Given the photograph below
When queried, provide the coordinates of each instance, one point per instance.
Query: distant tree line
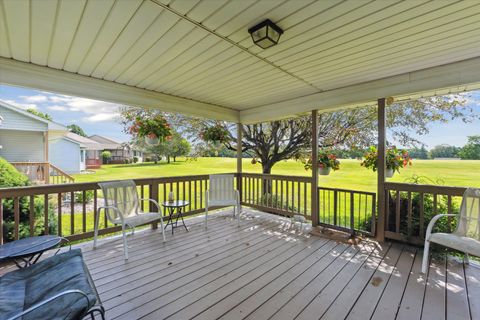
(470, 151)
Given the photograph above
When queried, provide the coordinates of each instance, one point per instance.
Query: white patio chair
(122, 207)
(222, 192)
(466, 237)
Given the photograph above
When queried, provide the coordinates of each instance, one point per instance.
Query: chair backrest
(222, 187)
(121, 194)
(469, 221)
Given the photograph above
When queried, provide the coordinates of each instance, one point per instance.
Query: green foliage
(215, 134)
(325, 160)
(10, 177)
(88, 196)
(135, 159)
(155, 126)
(394, 159)
(106, 155)
(76, 129)
(40, 114)
(471, 150)
(444, 151)
(418, 153)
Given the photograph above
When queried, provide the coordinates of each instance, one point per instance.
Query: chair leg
(206, 216)
(425, 257)
(466, 259)
(237, 209)
(95, 232)
(163, 231)
(125, 247)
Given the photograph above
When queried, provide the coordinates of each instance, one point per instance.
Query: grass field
(350, 176)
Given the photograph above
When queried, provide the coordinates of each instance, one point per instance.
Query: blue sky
(98, 117)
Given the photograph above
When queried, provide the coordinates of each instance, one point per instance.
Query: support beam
(382, 142)
(456, 75)
(314, 192)
(33, 76)
(239, 159)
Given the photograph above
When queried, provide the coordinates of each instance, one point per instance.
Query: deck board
(266, 270)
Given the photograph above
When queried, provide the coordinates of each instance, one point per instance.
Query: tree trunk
(168, 159)
(174, 158)
(266, 184)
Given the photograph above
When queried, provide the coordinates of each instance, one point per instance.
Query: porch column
(314, 191)
(382, 206)
(239, 159)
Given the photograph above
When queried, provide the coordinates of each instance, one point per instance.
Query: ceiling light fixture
(265, 34)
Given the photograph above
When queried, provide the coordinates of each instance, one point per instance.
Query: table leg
(180, 213)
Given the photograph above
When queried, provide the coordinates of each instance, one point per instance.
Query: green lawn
(350, 176)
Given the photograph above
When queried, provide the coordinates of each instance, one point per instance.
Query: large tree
(76, 129)
(274, 141)
(471, 150)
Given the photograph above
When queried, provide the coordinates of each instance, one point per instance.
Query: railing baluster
(1, 221)
(59, 217)
(352, 213)
(305, 199)
(72, 211)
(421, 212)
(335, 207)
(409, 214)
(142, 195)
(16, 217)
(31, 217)
(84, 211)
(397, 212)
(449, 211)
(95, 204)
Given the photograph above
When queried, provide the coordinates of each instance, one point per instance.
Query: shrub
(88, 196)
(10, 177)
(135, 159)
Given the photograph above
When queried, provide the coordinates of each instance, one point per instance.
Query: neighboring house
(91, 150)
(26, 138)
(121, 152)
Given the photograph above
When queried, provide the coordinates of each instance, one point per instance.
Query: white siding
(64, 154)
(21, 146)
(17, 121)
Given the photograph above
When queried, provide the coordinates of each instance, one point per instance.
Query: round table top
(28, 246)
(175, 203)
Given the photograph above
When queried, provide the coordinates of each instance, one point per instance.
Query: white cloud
(57, 108)
(24, 106)
(100, 117)
(35, 98)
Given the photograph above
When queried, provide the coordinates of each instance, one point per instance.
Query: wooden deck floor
(264, 270)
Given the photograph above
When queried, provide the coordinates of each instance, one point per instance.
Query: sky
(98, 117)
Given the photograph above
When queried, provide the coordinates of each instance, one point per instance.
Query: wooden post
(239, 159)
(314, 195)
(153, 194)
(382, 205)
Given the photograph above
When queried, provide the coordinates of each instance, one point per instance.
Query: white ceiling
(201, 50)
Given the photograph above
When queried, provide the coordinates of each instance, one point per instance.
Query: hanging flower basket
(389, 172)
(394, 160)
(154, 130)
(326, 162)
(215, 135)
(324, 171)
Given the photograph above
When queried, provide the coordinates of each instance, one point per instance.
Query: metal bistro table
(173, 206)
(27, 251)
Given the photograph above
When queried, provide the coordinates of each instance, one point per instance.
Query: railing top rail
(425, 188)
(277, 176)
(347, 190)
(70, 187)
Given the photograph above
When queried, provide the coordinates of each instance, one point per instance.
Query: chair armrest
(434, 220)
(152, 201)
(108, 215)
(44, 302)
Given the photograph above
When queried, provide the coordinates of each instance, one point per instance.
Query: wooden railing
(347, 210)
(43, 173)
(93, 163)
(285, 195)
(68, 209)
(411, 206)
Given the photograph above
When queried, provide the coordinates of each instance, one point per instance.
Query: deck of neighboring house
(267, 270)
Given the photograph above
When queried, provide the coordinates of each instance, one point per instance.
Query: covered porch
(197, 58)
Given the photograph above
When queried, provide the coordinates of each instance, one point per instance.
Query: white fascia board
(29, 75)
(457, 74)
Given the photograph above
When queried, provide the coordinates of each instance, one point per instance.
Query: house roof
(85, 142)
(197, 57)
(107, 143)
(53, 126)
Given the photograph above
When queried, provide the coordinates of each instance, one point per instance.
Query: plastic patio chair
(122, 207)
(222, 192)
(466, 237)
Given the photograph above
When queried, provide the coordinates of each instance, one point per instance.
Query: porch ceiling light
(265, 34)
